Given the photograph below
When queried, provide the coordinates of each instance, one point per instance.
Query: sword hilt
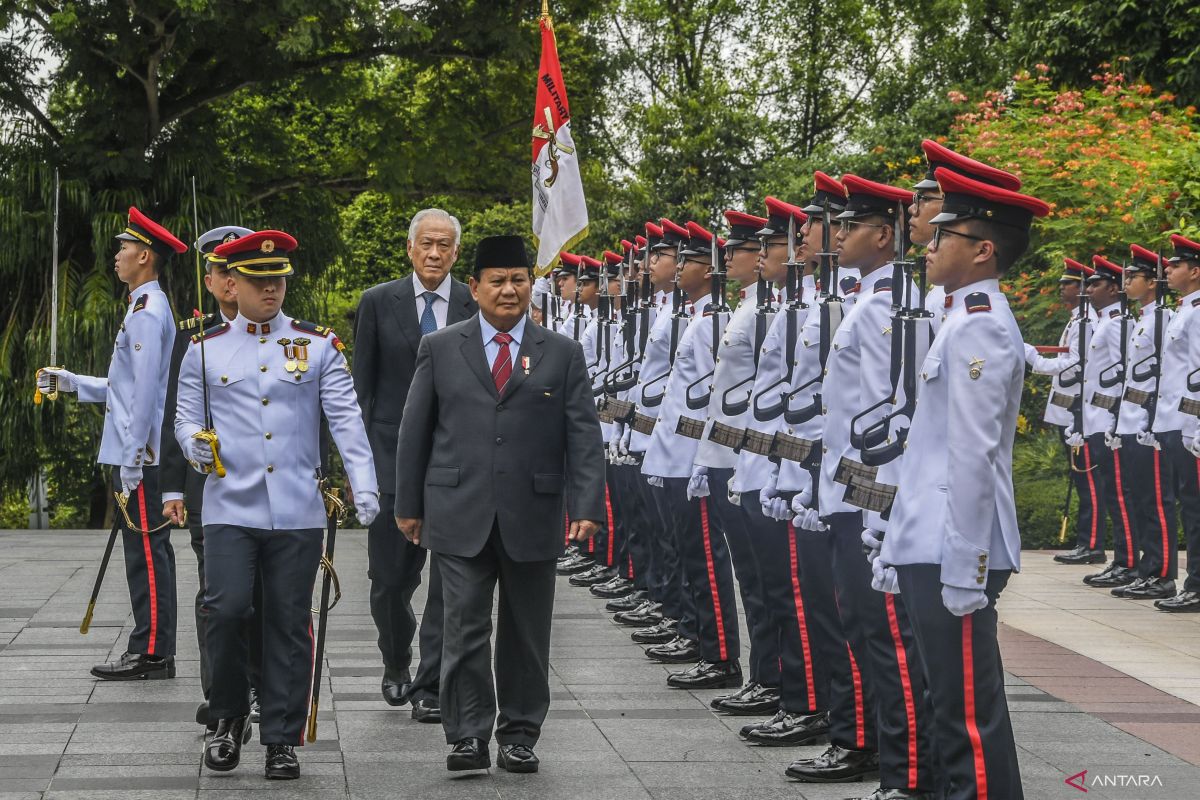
(210, 436)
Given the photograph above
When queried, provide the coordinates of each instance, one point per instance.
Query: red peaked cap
(1075, 271)
(641, 241)
(868, 198)
(589, 268)
(964, 198)
(654, 234)
(700, 240)
(778, 214)
(826, 190)
(262, 254)
(141, 228)
(627, 245)
(570, 263)
(1185, 249)
(612, 258)
(672, 235)
(1105, 270)
(939, 156)
(742, 227)
(1143, 260)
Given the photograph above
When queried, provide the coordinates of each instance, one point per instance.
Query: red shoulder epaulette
(978, 301)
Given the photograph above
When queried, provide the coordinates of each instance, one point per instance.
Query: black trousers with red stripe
(803, 671)
(288, 561)
(1088, 524)
(704, 555)
(637, 529)
(680, 602)
(1149, 484)
(764, 644)
(1110, 481)
(881, 641)
(1187, 489)
(976, 752)
(149, 569)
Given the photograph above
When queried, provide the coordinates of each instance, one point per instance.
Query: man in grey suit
(391, 320)
(499, 425)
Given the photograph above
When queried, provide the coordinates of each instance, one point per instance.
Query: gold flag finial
(545, 9)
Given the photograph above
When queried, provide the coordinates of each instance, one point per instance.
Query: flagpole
(545, 9)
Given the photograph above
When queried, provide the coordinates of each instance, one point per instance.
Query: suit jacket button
(262, 367)
(265, 401)
(267, 434)
(499, 440)
(500, 406)
(270, 467)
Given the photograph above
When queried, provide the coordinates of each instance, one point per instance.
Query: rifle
(832, 310)
(1153, 361)
(1114, 374)
(1080, 366)
(717, 275)
(635, 309)
(763, 312)
(576, 310)
(795, 302)
(53, 393)
(677, 313)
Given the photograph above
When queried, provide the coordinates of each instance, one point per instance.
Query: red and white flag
(560, 217)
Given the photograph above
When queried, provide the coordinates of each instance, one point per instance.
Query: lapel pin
(525, 364)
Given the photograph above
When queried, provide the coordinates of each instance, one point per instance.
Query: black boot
(648, 613)
(754, 700)
(661, 633)
(1081, 555)
(224, 750)
(136, 666)
(1149, 589)
(677, 651)
(1183, 603)
(836, 765)
(790, 730)
(282, 764)
(1114, 575)
(629, 602)
(706, 675)
(617, 587)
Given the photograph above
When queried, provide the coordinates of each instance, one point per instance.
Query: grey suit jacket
(387, 332)
(468, 455)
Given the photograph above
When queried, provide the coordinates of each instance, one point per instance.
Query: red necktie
(502, 366)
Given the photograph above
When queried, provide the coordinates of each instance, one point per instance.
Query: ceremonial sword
(209, 432)
(53, 393)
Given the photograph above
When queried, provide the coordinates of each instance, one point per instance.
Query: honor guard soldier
(1099, 402)
(182, 487)
(1065, 391)
(927, 204)
(1149, 481)
(876, 626)
(134, 394)
(952, 541)
(266, 379)
(1176, 424)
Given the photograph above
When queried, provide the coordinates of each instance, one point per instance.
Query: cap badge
(268, 246)
(229, 237)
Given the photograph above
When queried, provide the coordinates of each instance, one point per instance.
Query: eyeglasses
(919, 198)
(939, 231)
(848, 225)
(767, 244)
(730, 249)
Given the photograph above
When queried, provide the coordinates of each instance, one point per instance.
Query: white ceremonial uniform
(1104, 350)
(135, 390)
(955, 505)
(268, 420)
(1180, 357)
(598, 363)
(656, 363)
(1058, 404)
(735, 365)
(935, 304)
(792, 476)
(1135, 417)
(670, 454)
(864, 337)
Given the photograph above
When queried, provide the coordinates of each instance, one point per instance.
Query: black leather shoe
(394, 692)
(752, 701)
(426, 710)
(661, 633)
(835, 765)
(744, 733)
(1081, 555)
(516, 758)
(1148, 589)
(281, 763)
(617, 587)
(202, 717)
(469, 753)
(790, 730)
(574, 565)
(1115, 575)
(1122, 591)
(224, 749)
(897, 794)
(627, 603)
(136, 666)
(648, 613)
(1182, 603)
(676, 651)
(591, 577)
(706, 675)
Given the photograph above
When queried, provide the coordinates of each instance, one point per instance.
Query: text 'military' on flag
(560, 217)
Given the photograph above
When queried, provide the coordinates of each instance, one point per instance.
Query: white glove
(1148, 439)
(961, 602)
(1074, 439)
(698, 484)
(614, 450)
(1112, 441)
(199, 452)
(131, 478)
(806, 518)
(773, 506)
(654, 480)
(1031, 354)
(1193, 445)
(366, 506)
(872, 540)
(735, 498)
(67, 382)
(623, 444)
(883, 577)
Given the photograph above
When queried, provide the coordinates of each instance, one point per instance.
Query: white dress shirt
(440, 306)
(491, 348)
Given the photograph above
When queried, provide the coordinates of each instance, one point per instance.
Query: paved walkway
(1096, 683)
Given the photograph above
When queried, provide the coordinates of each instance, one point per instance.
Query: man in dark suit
(499, 425)
(391, 320)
